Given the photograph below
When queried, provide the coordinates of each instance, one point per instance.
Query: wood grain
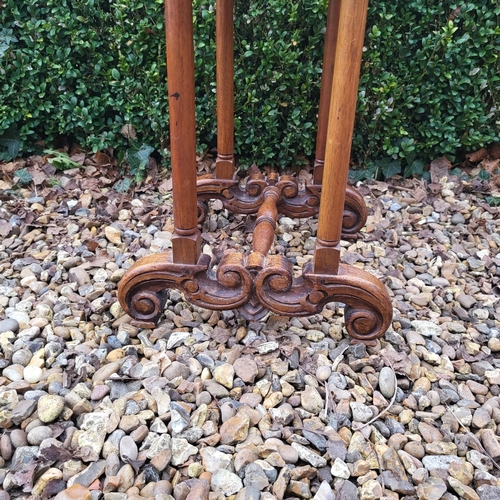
(225, 89)
(332, 28)
(180, 74)
(349, 48)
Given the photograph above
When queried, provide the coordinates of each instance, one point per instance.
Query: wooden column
(351, 33)
(332, 29)
(180, 75)
(225, 90)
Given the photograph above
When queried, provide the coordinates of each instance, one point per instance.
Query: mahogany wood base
(255, 284)
(294, 202)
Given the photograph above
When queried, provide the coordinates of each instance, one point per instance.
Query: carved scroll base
(255, 285)
(295, 202)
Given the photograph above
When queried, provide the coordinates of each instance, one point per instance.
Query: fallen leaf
(101, 159)
(440, 168)
(12, 166)
(78, 158)
(128, 131)
(4, 185)
(39, 177)
(166, 186)
(477, 156)
(419, 194)
(495, 151)
(490, 165)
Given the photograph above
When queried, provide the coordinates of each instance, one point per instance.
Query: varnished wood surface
(261, 283)
(265, 225)
(257, 283)
(225, 89)
(332, 28)
(349, 48)
(180, 71)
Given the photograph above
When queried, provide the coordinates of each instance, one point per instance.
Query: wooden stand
(258, 282)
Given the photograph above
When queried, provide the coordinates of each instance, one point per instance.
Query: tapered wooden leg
(349, 49)
(180, 74)
(225, 90)
(332, 29)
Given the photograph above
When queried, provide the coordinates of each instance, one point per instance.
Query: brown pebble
(18, 438)
(6, 447)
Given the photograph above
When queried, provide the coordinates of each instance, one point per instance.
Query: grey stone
(255, 477)
(396, 483)
(346, 491)
(443, 462)
(214, 459)
(324, 492)
(309, 456)
(181, 451)
(128, 449)
(38, 434)
(23, 455)
(88, 475)
(386, 382)
(426, 328)
(488, 492)
(226, 482)
(9, 325)
(22, 410)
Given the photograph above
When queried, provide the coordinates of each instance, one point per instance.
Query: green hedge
(84, 68)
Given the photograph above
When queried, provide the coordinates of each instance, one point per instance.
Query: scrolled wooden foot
(142, 289)
(368, 313)
(355, 213)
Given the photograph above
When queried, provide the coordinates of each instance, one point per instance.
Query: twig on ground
(339, 357)
(335, 364)
(321, 433)
(474, 438)
(393, 399)
(382, 482)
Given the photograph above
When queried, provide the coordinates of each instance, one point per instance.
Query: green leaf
(12, 143)
(416, 168)
(138, 160)
(23, 176)
(123, 185)
(61, 160)
(391, 169)
(484, 175)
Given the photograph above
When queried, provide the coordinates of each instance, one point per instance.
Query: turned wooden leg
(332, 29)
(349, 49)
(224, 168)
(180, 73)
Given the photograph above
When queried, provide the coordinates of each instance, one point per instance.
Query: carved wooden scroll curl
(294, 202)
(241, 282)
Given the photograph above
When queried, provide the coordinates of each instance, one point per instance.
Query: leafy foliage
(23, 176)
(138, 160)
(85, 68)
(60, 160)
(10, 144)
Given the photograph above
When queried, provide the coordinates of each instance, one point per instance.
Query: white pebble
(32, 374)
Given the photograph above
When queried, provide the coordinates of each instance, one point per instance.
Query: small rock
(311, 400)
(225, 482)
(386, 382)
(50, 407)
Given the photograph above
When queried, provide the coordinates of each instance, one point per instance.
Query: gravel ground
(209, 406)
